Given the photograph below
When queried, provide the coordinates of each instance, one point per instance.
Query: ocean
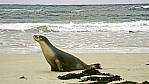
(109, 28)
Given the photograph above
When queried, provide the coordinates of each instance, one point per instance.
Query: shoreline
(131, 67)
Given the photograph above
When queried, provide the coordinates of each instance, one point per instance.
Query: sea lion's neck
(47, 49)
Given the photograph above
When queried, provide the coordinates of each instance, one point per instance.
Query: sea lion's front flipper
(58, 63)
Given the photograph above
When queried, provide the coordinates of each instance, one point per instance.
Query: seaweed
(90, 72)
(97, 77)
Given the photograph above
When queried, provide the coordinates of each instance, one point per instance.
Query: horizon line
(73, 4)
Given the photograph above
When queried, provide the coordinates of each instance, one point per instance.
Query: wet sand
(34, 67)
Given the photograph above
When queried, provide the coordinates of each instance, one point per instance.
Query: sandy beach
(36, 70)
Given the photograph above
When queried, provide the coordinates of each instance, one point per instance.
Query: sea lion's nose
(36, 36)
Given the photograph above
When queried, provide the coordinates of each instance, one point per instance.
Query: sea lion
(60, 60)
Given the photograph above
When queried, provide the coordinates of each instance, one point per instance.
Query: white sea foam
(140, 7)
(20, 26)
(146, 7)
(91, 27)
(76, 11)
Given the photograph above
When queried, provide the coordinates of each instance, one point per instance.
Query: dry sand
(37, 71)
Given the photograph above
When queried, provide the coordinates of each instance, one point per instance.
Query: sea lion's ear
(40, 38)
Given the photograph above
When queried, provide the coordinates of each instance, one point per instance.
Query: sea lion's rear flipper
(94, 66)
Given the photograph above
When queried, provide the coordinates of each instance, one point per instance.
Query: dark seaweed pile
(89, 72)
(101, 78)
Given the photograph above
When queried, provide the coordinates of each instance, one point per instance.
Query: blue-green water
(122, 28)
(78, 13)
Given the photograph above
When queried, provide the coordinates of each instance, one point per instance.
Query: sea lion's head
(40, 38)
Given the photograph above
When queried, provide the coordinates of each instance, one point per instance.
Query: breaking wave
(77, 27)
(140, 7)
